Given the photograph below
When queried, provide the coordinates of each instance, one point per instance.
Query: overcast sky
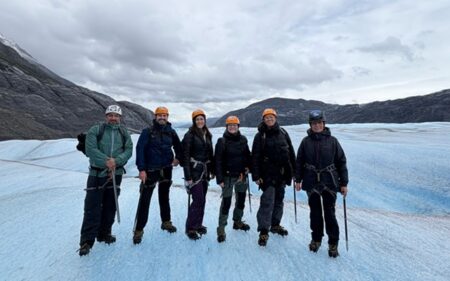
(224, 55)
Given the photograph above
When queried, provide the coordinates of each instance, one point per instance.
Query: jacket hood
(230, 136)
(157, 126)
(326, 132)
(262, 128)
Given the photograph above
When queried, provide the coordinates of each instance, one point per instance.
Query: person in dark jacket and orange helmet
(273, 166)
(322, 172)
(232, 157)
(154, 160)
(198, 166)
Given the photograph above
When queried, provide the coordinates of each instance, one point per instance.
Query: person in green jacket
(108, 147)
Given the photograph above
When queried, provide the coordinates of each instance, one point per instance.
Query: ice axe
(345, 222)
(249, 193)
(113, 172)
(295, 204)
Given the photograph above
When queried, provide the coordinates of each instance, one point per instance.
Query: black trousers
(329, 212)
(163, 178)
(99, 208)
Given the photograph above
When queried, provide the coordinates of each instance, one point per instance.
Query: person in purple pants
(197, 160)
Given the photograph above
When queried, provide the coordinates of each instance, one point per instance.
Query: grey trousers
(240, 189)
(271, 207)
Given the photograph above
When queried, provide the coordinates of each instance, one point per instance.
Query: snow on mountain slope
(41, 208)
(20, 51)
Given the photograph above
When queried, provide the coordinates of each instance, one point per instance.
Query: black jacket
(232, 156)
(200, 149)
(316, 152)
(273, 157)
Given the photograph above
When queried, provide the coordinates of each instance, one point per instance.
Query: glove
(187, 186)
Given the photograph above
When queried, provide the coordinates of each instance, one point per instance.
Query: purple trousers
(197, 207)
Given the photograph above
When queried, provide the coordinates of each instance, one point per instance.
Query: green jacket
(109, 146)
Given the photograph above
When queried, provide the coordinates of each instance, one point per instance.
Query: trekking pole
(188, 190)
(189, 202)
(113, 171)
(249, 194)
(141, 188)
(345, 222)
(295, 203)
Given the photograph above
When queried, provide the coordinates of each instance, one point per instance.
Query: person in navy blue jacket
(154, 160)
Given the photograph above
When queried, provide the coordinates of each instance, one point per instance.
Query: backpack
(81, 146)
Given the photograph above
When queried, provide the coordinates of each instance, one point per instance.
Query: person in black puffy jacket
(232, 157)
(198, 166)
(321, 170)
(273, 164)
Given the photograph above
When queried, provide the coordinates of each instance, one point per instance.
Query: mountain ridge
(39, 104)
(427, 108)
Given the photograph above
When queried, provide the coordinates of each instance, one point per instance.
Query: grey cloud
(390, 46)
(180, 52)
(360, 71)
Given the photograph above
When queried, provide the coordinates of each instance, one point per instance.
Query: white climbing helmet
(113, 109)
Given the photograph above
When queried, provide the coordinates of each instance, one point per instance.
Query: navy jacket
(154, 150)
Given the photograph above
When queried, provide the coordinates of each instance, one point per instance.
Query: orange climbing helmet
(198, 112)
(268, 111)
(232, 120)
(161, 110)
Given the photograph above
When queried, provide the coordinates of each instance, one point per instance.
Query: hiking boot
(221, 236)
(240, 225)
(84, 249)
(202, 230)
(278, 229)
(192, 234)
(137, 237)
(314, 246)
(168, 226)
(333, 250)
(262, 241)
(107, 238)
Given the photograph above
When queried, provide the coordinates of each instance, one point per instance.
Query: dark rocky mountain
(429, 108)
(38, 104)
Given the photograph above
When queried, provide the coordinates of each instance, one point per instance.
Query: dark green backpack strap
(101, 131)
(123, 133)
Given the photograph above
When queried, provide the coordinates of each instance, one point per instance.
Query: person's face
(317, 126)
(232, 128)
(162, 119)
(112, 118)
(200, 122)
(270, 120)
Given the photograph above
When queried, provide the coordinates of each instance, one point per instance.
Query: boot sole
(333, 255)
(170, 231)
(247, 228)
